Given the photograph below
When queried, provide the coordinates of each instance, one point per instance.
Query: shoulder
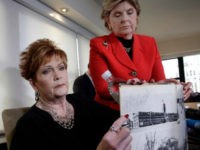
(82, 79)
(102, 43)
(82, 107)
(77, 100)
(81, 101)
(32, 118)
(79, 78)
(28, 123)
(100, 40)
(28, 115)
(144, 40)
(92, 106)
(93, 110)
(83, 76)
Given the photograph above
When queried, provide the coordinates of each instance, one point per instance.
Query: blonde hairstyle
(108, 6)
(36, 54)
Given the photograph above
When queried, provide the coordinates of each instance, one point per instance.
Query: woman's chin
(126, 34)
(61, 92)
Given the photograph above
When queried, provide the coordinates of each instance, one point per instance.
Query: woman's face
(51, 79)
(123, 20)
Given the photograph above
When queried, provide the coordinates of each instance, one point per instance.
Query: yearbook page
(157, 116)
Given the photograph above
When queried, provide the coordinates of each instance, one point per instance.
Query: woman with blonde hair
(131, 57)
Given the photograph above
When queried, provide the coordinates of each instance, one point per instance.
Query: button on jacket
(108, 53)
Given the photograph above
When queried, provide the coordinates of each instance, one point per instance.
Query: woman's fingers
(117, 137)
(134, 81)
(125, 139)
(187, 89)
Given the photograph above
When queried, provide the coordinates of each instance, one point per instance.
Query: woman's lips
(60, 85)
(124, 27)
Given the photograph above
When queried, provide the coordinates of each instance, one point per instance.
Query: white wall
(19, 27)
(83, 53)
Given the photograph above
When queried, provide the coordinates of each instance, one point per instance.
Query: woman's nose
(124, 17)
(57, 78)
(57, 75)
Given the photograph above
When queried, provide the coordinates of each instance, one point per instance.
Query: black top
(127, 45)
(84, 86)
(36, 130)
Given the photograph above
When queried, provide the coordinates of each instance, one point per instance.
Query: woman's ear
(33, 84)
(137, 22)
(108, 23)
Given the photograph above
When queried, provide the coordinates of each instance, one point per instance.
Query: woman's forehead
(121, 5)
(52, 58)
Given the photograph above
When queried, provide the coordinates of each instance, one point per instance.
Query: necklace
(128, 49)
(66, 120)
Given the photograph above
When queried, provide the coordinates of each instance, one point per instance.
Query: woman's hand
(135, 81)
(117, 138)
(187, 90)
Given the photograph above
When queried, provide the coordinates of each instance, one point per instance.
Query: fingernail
(126, 116)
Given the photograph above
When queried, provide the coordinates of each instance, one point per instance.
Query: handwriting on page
(156, 114)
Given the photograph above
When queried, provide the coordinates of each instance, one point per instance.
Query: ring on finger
(112, 129)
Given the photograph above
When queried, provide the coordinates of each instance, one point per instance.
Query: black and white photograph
(156, 114)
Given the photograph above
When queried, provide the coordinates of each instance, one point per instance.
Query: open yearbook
(157, 116)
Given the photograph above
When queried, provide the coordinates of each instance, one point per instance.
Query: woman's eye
(130, 12)
(117, 14)
(61, 68)
(46, 71)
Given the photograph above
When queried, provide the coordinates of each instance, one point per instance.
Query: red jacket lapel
(120, 53)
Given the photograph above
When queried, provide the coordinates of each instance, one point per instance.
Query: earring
(110, 28)
(37, 96)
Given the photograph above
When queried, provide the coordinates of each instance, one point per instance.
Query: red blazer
(107, 53)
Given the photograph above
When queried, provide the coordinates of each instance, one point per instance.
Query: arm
(28, 136)
(76, 85)
(158, 70)
(32, 132)
(158, 75)
(98, 66)
(117, 137)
